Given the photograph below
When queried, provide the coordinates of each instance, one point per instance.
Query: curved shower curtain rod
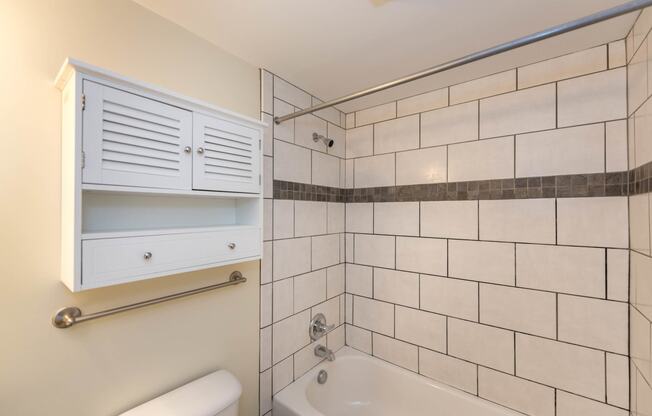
(598, 17)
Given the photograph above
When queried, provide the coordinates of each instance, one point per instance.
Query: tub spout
(322, 351)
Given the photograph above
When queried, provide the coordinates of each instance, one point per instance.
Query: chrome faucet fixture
(322, 351)
(322, 377)
(317, 137)
(318, 327)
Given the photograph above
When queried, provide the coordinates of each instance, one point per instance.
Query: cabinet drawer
(115, 260)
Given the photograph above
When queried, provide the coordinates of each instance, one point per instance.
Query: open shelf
(90, 187)
(163, 231)
(108, 212)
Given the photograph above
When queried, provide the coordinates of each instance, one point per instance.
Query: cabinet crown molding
(72, 65)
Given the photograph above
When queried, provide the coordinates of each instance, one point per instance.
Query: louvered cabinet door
(135, 141)
(226, 156)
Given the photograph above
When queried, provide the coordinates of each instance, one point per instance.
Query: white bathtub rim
(294, 398)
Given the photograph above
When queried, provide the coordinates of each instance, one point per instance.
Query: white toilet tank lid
(206, 396)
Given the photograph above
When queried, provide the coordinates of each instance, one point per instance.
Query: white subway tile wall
(522, 302)
(504, 299)
(303, 270)
(482, 344)
(561, 269)
(516, 393)
(617, 369)
(397, 352)
(421, 166)
(360, 141)
(450, 219)
(304, 127)
(616, 146)
(562, 365)
(375, 114)
(450, 370)
(639, 78)
(528, 311)
(562, 151)
(608, 92)
(374, 171)
(399, 218)
(572, 405)
(617, 54)
(563, 67)
(450, 297)
(484, 159)
(422, 255)
(422, 102)
(521, 111)
(521, 220)
(325, 170)
(396, 135)
(598, 222)
(453, 124)
(484, 87)
(421, 328)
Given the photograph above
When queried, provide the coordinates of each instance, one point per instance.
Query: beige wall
(106, 366)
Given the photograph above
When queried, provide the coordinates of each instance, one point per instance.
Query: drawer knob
(147, 255)
(187, 149)
(231, 246)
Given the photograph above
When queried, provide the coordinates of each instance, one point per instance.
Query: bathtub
(360, 385)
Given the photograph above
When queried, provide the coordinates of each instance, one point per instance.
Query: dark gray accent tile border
(640, 179)
(560, 186)
(306, 192)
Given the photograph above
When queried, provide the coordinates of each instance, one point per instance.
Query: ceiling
(334, 47)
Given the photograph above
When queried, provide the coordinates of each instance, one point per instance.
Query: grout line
(479, 115)
(500, 72)
(478, 303)
(448, 244)
(592, 72)
(606, 274)
(516, 71)
(592, 123)
(486, 283)
(319, 193)
(605, 148)
(514, 353)
(557, 316)
(556, 105)
(503, 242)
(556, 225)
(478, 365)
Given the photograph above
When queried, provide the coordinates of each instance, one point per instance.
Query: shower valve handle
(318, 327)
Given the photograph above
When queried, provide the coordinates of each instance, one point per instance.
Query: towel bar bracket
(71, 315)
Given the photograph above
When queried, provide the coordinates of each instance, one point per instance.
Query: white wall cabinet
(134, 141)
(153, 183)
(226, 155)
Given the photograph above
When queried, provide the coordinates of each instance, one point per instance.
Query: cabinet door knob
(147, 255)
(200, 150)
(187, 149)
(231, 246)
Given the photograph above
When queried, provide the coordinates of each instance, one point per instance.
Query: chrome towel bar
(71, 315)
